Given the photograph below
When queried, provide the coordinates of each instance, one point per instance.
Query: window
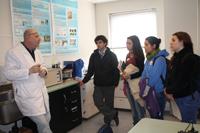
(123, 25)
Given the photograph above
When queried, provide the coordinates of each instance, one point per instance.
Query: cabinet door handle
(74, 101)
(65, 98)
(74, 109)
(74, 91)
(65, 103)
(74, 120)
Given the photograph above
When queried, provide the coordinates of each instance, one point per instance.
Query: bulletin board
(55, 20)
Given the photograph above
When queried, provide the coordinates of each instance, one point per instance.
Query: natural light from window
(123, 25)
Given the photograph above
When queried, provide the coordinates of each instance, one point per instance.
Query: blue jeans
(42, 122)
(138, 111)
(161, 101)
(189, 106)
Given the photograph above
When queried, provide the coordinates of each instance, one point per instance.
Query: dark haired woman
(154, 69)
(135, 64)
(183, 79)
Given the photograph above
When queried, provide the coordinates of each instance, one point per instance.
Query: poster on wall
(55, 21)
(41, 22)
(21, 18)
(32, 14)
(65, 26)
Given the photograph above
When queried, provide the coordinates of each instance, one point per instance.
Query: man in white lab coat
(25, 68)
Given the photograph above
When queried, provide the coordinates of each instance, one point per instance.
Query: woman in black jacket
(182, 81)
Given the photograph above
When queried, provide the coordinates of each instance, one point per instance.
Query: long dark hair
(137, 48)
(185, 37)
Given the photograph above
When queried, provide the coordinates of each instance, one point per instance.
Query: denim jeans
(42, 122)
(188, 107)
(161, 101)
(138, 111)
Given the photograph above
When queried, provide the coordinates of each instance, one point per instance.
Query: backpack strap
(154, 60)
(161, 76)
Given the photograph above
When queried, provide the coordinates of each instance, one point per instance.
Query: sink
(9, 111)
(6, 93)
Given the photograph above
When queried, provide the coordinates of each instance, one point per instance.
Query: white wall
(6, 28)
(86, 24)
(104, 9)
(181, 15)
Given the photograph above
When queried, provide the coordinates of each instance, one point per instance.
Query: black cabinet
(65, 108)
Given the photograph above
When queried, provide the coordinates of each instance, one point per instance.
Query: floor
(92, 125)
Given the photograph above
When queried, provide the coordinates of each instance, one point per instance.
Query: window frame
(151, 10)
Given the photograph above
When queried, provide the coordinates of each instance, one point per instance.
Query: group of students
(25, 67)
(175, 79)
(157, 78)
(179, 83)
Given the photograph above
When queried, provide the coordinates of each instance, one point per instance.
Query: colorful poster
(65, 26)
(69, 3)
(32, 14)
(41, 22)
(55, 20)
(22, 18)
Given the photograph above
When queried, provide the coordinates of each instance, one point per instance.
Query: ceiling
(100, 1)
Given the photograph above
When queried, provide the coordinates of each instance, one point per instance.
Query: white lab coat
(30, 91)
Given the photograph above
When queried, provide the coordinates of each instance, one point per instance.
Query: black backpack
(105, 129)
(197, 72)
(163, 79)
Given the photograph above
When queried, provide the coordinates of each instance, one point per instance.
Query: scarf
(152, 54)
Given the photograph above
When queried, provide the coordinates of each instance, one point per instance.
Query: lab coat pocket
(28, 91)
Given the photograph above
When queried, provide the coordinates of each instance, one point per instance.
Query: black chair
(28, 123)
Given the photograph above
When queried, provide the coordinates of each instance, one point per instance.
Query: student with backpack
(151, 83)
(183, 82)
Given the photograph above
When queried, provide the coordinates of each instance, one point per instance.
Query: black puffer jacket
(184, 74)
(104, 69)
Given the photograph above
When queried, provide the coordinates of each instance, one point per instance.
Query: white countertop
(66, 83)
(148, 125)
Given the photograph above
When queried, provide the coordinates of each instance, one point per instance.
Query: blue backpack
(77, 68)
(163, 79)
